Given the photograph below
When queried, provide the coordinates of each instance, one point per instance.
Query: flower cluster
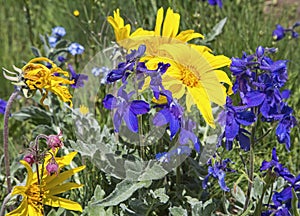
(259, 80)
(216, 2)
(282, 201)
(280, 32)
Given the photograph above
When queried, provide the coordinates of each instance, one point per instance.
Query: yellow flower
(36, 195)
(192, 74)
(83, 110)
(76, 13)
(36, 76)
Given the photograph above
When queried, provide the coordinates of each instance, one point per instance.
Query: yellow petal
(188, 35)
(202, 101)
(64, 187)
(171, 24)
(159, 20)
(29, 172)
(33, 211)
(21, 190)
(63, 203)
(222, 77)
(22, 210)
(53, 180)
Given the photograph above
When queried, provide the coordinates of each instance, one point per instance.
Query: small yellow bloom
(35, 196)
(83, 110)
(76, 13)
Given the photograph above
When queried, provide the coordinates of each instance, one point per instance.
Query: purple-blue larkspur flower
(218, 170)
(167, 157)
(75, 49)
(126, 109)
(78, 78)
(186, 134)
(171, 113)
(216, 2)
(283, 130)
(278, 33)
(232, 117)
(3, 104)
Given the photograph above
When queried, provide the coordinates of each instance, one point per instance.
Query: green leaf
(122, 192)
(160, 193)
(36, 115)
(36, 52)
(295, 203)
(95, 210)
(217, 30)
(239, 195)
(178, 211)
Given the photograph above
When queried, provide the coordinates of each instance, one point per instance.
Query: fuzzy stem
(6, 199)
(5, 139)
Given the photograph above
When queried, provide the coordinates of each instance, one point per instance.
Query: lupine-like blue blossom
(216, 2)
(259, 80)
(282, 199)
(218, 170)
(280, 32)
(186, 134)
(125, 109)
(167, 157)
(3, 104)
(78, 78)
(75, 49)
(171, 113)
(232, 117)
(126, 68)
(154, 75)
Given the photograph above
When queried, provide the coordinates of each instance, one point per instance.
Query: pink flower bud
(54, 141)
(52, 167)
(29, 158)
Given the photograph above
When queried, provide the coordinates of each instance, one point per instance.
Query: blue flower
(186, 134)
(216, 2)
(3, 104)
(278, 33)
(125, 109)
(232, 117)
(283, 130)
(126, 68)
(103, 71)
(78, 78)
(75, 49)
(171, 113)
(217, 170)
(167, 157)
(58, 31)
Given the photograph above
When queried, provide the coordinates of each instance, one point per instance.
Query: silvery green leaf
(217, 30)
(121, 193)
(160, 193)
(178, 211)
(238, 194)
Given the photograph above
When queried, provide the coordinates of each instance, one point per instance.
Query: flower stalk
(5, 139)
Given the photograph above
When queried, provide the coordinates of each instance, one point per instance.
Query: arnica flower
(3, 104)
(192, 74)
(36, 76)
(35, 196)
(75, 49)
(76, 13)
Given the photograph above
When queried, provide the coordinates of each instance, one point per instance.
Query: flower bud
(54, 141)
(52, 167)
(29, 158)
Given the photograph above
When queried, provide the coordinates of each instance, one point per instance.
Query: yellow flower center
(188, 78)
(35, 195)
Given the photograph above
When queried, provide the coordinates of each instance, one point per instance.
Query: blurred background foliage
(249, 24)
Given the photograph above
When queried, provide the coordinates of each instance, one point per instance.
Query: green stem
(251, 167)
(5, 139)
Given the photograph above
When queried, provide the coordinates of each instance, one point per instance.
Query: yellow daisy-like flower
(192, 74)
(76, 13)
(36, 195)
(36, 76)
(83, 110)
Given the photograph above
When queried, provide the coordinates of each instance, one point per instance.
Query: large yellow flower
(36, 76)
(36, 195)
(192, 75)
